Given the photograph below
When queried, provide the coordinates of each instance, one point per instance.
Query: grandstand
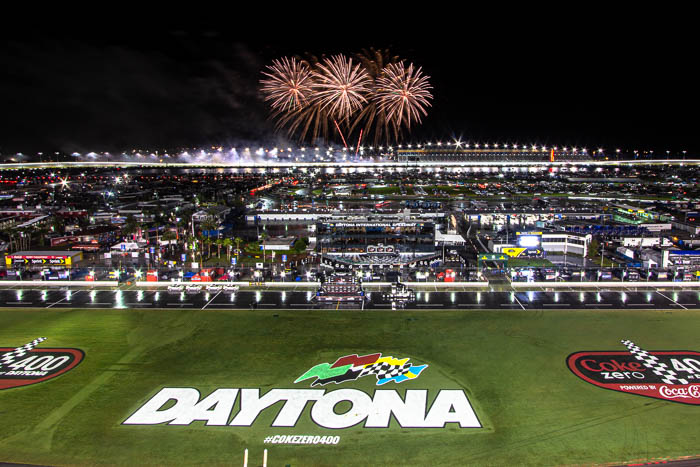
(494, 154)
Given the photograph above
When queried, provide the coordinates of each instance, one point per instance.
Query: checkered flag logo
(385, 370)
(659, 368)
(10, 357)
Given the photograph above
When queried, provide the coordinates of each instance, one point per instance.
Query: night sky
(604, 84)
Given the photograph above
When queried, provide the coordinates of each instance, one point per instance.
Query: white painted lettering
(441, 411)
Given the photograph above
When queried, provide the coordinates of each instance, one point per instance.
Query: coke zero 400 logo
(26, 364)
(666, 375)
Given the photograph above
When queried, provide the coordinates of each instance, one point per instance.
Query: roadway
(646, 299)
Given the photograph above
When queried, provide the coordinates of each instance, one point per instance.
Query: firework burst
(377, 95)
(340, 87)
(403, 93)
(372, 119)
(287, 87)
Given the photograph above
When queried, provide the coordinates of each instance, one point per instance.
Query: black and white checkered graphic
(10, 357)
(385, 370)
(659, 368)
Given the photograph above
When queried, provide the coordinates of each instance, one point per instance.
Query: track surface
(302, 299)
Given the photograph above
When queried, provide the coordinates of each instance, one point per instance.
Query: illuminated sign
(48, 260)
(529, 241)
(375, 224)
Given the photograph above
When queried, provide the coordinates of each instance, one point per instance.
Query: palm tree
(208, 241)
(193, 241)
(228, 243)
(10, 234)
(238, 241)
(131, 225)
(169, 236)
(57, 224)
(208, 225)
(263, 236)
(219, 243)
(157, 224)
(25, 239)
(42, 231)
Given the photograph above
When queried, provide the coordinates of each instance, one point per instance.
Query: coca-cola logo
(691, 392)
(667, 375)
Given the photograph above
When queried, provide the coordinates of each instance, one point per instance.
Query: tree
(58, 225)
(10, 233)
(41, 232)
(594, 250)
(208, 241)
(131, 225)
(207, 226)
(228, 243)
(25, 239)
(157, 224)
(238, 241)
(263, 236)
(192, 242)
(169, 236)
(219, 243)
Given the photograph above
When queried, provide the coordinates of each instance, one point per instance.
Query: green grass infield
(511, 365)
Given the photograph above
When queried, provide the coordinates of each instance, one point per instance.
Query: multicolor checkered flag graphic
(10, 357)
(659, 368)
(385, 370)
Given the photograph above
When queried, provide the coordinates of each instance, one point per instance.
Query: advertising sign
(25, 365)
(241, 407)
(33, 260)
(529, 241)
(667, 375)
(513, 252)
(380, 249)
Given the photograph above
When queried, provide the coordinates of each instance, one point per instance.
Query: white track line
(516, 299)
(207, 304)
(669, 298)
